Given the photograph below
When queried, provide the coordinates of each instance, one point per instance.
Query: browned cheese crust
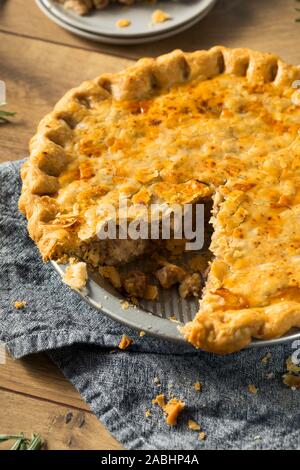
(178, 129)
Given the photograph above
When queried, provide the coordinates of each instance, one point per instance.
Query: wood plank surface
(36, 397)
(267, 25)
(62, 428)
(38, 377)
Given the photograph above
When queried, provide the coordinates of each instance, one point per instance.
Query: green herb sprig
(36, 442)
(23, 443)
(5, 115)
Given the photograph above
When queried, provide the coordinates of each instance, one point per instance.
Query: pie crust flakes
(193, 425)
(198, 386)
(123, 23)
(160, 16)
(125, 342)
(172, 408)
(218, 125)
(292, 376)
(20, 304)
(76, 275)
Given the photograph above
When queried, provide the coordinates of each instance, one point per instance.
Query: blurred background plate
(121, 40)
(104, 21)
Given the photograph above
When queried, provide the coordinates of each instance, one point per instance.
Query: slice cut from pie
(220, 125)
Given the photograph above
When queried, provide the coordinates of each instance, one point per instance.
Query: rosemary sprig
(18, 443)
(8, 437)
(22, 443)
(36, 442)
(5, 115)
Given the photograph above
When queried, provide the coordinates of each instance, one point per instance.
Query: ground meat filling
(135, 284)
(164, 263)
(170, 275)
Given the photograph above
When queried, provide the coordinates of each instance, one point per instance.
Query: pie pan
(153, 317)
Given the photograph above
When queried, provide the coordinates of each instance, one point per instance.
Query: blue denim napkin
(119, 386)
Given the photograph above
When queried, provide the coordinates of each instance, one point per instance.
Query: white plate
(103, 22)
(152, 317)
(116, 40)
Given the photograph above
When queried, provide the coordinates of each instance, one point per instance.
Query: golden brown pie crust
(180, 128)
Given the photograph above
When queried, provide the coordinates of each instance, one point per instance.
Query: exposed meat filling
(135, 284)
(170, 275)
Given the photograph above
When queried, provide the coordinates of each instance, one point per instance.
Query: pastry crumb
(123, 23)
(193, 425)
(125, 304)
(174, 319)
(160, 16)
(292, 367)
(172, 409)
(159, 400)
(202, 436)
(142, 334)
(266, 358)
(125, 342)
(292, 378)
(19, 304)
(198, 386)
(252, 389)
(76, 275)
(292, 381)
(147, 413)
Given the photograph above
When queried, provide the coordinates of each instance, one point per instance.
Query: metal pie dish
(152, 317)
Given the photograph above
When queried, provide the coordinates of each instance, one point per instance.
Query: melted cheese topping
(220, 137)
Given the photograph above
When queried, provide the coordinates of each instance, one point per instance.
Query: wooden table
(39, 62)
